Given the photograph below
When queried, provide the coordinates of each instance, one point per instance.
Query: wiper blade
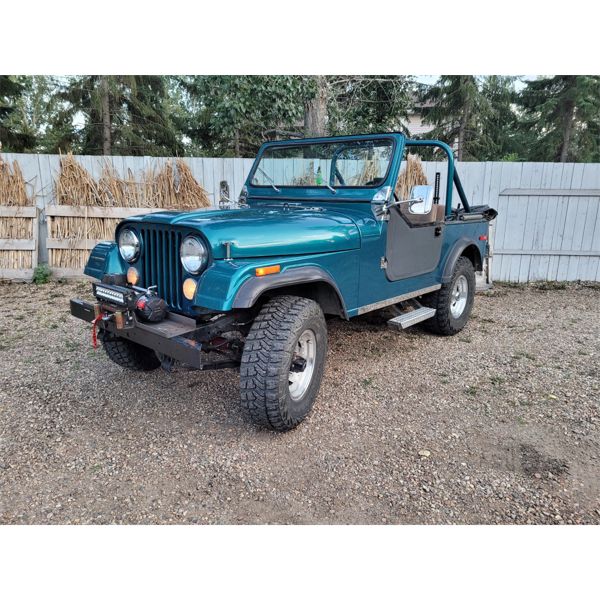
(331, 188)
(271, 180)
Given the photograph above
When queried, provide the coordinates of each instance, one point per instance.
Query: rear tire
(283, 362)
(453, 302)
(128, 354)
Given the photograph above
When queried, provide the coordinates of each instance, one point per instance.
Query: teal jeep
(319, 230)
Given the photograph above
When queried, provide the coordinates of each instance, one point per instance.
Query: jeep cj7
(319, 230)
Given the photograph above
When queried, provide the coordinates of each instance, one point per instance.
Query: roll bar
(453, 178)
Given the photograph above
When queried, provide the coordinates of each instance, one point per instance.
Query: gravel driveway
(499, 424)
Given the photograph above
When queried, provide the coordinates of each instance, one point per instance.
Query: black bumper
(166, 337)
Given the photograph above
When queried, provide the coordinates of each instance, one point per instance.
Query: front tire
(128, 354)
(453, 301)
(283, 362)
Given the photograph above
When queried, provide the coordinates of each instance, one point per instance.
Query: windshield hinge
(383, 263)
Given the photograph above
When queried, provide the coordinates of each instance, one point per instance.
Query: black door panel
(411, 250)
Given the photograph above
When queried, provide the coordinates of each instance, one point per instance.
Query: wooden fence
(548, 226)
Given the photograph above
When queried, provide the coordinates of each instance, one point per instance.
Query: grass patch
(41, 274)
(548, 286)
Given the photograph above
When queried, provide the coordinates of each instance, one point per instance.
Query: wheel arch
(306, 282)
(463, 247)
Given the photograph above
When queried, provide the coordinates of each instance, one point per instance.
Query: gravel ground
(499, 424)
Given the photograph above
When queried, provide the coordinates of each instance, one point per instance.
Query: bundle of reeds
(14, 192)
(74, 186)
(412, 174)
(173, 187)
(13, 187)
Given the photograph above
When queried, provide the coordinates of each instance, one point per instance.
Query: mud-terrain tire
(288, 334)
(452, 302)
(128, 354)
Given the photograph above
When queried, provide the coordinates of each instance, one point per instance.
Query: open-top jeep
(319, 230)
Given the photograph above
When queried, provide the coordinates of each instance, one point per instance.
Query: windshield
(329, 164)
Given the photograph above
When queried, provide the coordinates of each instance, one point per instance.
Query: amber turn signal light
(189, 288)
(132, 276)
(260, 271)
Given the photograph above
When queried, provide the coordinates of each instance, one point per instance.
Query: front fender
(105, 258)
(229, 284)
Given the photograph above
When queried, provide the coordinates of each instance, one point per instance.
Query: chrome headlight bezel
(193, 254)
(134, 243)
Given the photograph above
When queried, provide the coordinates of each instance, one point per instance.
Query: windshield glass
(330, 164)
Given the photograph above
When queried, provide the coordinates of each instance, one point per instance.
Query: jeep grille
(161, 264)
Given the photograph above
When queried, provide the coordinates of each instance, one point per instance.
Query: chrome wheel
(303, 365)
(460, 294)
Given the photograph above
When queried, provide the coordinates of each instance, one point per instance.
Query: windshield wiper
(271, 180)
(331, 188)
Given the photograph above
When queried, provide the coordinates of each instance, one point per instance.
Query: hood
(257, 232)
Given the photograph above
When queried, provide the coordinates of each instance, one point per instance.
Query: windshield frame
(321, 141)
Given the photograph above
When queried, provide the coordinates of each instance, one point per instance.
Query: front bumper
(172, 337)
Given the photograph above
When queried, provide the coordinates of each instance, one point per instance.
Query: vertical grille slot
(161, 264)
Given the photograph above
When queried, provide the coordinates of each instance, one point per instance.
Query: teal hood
(257, 232)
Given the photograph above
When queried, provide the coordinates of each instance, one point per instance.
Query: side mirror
(421, 200)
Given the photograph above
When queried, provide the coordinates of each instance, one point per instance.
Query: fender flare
(454, 254)
(249, 292)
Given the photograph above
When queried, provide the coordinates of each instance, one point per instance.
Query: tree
(316, 99)
(455, 105)
(499, 136)
(561, 116)
(13, 137)
(232, 115)
(117, 115)
(369, 104)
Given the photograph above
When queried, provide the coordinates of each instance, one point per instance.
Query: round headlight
(193, 254)
(129, 245)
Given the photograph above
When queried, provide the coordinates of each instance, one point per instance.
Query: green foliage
(455, 105)
(41, 274)
(140, 118)
(234, 115)
(484, 118)
(561, 118)
(12, 137)
(369, 104)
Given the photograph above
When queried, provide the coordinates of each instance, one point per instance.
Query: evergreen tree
(12, 137)
(126, 115)
(454, 105)
(561, 118)
(500, 138)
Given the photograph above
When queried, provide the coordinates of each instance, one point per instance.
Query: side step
(412, 318)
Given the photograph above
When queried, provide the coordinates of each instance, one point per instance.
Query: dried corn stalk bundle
(13, 187)
(13, 192)
(189, 193)
(173, 187)
(413, 174)
(81, 228)
(74, 186)
(16, 259)
(68, 258)
(371, 171)
(16, 227)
